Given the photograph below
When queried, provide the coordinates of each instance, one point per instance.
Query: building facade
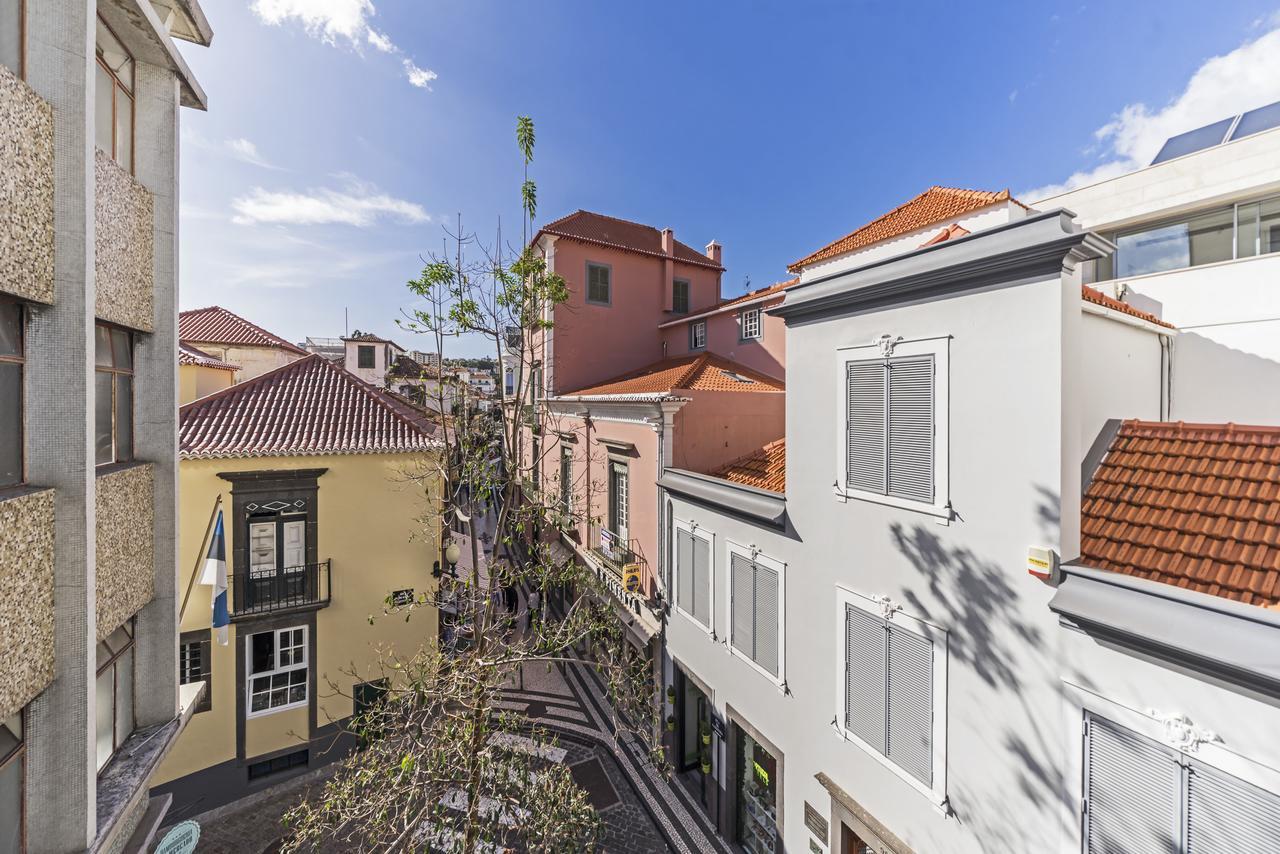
(90, 97)
(228, 337)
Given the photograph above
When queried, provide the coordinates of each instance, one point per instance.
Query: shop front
(694, 741)
(755, 786)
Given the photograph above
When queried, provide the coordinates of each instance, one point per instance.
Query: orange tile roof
(1192, 505)
(307, 407)
(216, 325)
(765, 468)
(622, 234)
(951, 231)
(933, 205)
(757, 293)
(703, 372)
(1097, 297)
(189, 355)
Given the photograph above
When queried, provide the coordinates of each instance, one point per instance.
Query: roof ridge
(376, 394)
(696, 365)
(288, 345)
(1200, 426)
(244, 384)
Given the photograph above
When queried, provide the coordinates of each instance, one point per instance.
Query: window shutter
(262, 548)
(295, 544)
(1132, 785)
(910, 469)
(741, 629)
(701, 581)
(910, 705)
(766, 619)
(684, 571)
(1228, 814)
(864, 676)
(865, 467)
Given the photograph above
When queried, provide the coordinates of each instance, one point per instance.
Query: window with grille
(698, 335)
(755, 611)
(693, 575)
(890, 427)
(1142, 795)
(889, 689)
(750, 324)
(680, 296)
(277, 670)
(195, 665)
(599, 284)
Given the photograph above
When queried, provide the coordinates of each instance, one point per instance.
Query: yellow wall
(372, 526)
(253, 361)
(198, 380)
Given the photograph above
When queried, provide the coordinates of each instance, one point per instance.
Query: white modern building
(963, 608)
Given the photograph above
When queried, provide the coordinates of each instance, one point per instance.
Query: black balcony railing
(267, 591)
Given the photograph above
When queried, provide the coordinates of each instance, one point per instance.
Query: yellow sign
(631, 577)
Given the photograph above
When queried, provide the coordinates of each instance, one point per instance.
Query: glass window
(1203, 239)
(680, 296)
(698, 335)
(12, 773)
(364, 356)
(277, 670)
(195, 665)
(598, 283)
(114, 691)
(113, 395)
(619, 508)
(12, 365)
(11, 49)
(566, 479)
(1258, 228)
(114, 98)
(750, 324)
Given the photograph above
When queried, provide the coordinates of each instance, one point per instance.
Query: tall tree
(443, 766)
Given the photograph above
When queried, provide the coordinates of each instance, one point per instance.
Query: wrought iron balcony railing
(261, 591)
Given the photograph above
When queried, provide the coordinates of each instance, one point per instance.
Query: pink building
(738, 329)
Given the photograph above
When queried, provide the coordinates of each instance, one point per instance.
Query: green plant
(671, 723)
(705, 758)
(671, 694)
(704, 730)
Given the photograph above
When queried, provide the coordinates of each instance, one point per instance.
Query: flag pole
(199, 558)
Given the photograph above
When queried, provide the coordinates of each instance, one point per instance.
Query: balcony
(297, 588)
(626, 572)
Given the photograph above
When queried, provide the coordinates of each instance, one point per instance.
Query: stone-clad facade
(26, 598)
(126, 578)
(124, 246)
(26, 191)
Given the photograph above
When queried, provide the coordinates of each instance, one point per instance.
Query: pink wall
(767, 354)
(591, 343)
(715, 427)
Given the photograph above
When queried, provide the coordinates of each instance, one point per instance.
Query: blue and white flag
(215, 573)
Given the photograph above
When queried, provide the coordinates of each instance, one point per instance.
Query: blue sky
(342, 133)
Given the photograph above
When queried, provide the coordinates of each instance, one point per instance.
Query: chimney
(666, 287)
(713, 252)
(668, 241)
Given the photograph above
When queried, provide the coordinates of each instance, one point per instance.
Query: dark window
(698, 335)
(194, 665)
(279, 765)
(598, 283)
(11, 411)
(114, 93)
(619, 506)
(113, 394)
(364, 356)
(277, 670)
(680, 296)
(114, 692)
(367, 695)
(12, 772)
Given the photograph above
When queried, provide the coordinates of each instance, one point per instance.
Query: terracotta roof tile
(703, 372)
(310, 406)
(189, 355)
(933, 205)
(216, 325)
(1097, 297)
(1193, 505)
(757, 293)
(622, 234)
(765, 468)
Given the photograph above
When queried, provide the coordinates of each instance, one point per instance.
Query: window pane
(105, 715)
(1164, 248)
(1269, 226)
(1246, 231)
(121, 351)
(10, 424)
(102, 118)
(263, 653)
(124, 417)
(11, 58)
(102, 346)
(10, 326)
(10, 734)
(114, 54)
(364, 356)
(124, 696)
(104, 452)
(1211, 237)
(124, 130)
(11, 807)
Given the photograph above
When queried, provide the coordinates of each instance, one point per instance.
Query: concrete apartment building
(89, 697)
(962, 607)
(326, 487)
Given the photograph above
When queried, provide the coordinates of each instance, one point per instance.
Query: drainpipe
(1166, 377)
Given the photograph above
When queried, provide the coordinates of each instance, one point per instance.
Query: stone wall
(26, 191)
(26, 598)
(126, 577)
(124, 247)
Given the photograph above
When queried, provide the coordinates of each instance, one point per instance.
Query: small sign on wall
(402, 597)
(717, 724)
(816, 822)
(815, 847)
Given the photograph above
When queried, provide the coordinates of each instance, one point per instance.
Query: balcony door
(277, 560)
(618, 509)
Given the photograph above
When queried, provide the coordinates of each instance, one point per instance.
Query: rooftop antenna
(346, 323)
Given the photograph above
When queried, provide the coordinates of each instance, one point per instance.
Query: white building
(859, 657)
(370, 357)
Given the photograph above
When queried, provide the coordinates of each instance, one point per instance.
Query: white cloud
(339, 22)
(358, 204)
(420, 77)
(1247, 77)
(243, 149)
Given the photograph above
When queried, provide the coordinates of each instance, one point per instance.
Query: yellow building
(200, 374)
(228, 337)
(327, 489)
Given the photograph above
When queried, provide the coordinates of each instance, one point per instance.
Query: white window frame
(743, 333)
(780, 567)
(277, 669)
(937, 347)
(937, 794)
(694, 328)
(698, 532)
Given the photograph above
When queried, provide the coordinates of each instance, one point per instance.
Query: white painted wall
(1119, 373)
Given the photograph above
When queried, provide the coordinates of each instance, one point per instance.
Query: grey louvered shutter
(1132, 787)
(910, 455)
(910, 731)
(1228, 814)
(864, 676)
(701, 565)
(684, 571)
(864, 426)
(741, 605)
(767, 619)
